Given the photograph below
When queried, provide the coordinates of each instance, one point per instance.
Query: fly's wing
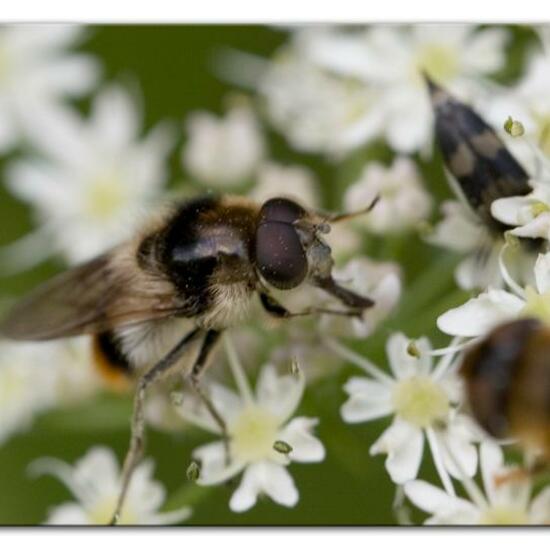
(103, 293)
(476, 157)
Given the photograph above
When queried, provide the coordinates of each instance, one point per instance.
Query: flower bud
(193, 471)
(282, 447)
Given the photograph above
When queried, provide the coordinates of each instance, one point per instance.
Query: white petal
(457, 231)
(38, 183)
(484, 50)
(115, 118)
(68, 514)
(60, 134)
(433, 500)
(226, 402)
(264, 477)
(305, 446)
(98, 469)
(173, 517)
(458, 441)
(145, 494)
(368, 400)
(402, 363)
(410, 127)
(9, 132)
(280, 394)
(542, 273)
(403, 443)
(491, 462)
(479, 315)
(540, 508)
(480, 271)
(535, 229)
(72, 75)
(512, 492)
(508, 210)
(214, 469)
(44, 38)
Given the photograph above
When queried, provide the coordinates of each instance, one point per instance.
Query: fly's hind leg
(210, 340)
(138, 421)
(523, 473)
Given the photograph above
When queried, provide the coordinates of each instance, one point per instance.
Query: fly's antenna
(344, 216)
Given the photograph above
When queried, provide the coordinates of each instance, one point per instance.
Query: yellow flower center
(536, 305)
(392, 188)
(102, 512)
(420, 401)
(12, 387)
(253, 434)
(105, 198)
(439, 61)
(538, 208)
(504, 515)
(357, 102)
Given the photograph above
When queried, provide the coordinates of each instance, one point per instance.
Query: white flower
(421, 400)
(26, 385)
(544, 34)
(529, 214)
(318, 111)
(37, 75)
(461, 231)
(487, 310)
(527, 102)
(509, 502)
(378, 280)
(94, 178)
(223, 151)
(344, 240)
(254, 424)
(276, 180)
(403, 201)
(95, 483)
(390, 59)
(35, 377)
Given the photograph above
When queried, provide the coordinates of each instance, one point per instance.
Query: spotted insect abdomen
(477, 158)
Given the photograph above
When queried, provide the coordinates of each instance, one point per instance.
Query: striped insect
(157, 304)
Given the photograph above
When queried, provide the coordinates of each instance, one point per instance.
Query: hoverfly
(507, 378)
(190, 274)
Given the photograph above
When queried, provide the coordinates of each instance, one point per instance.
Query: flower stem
(475, 494)
(447, 360)
(506, 275)
(358, 360)
(438, 462)
(238, 371)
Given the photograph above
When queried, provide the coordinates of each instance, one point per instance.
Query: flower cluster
(332, 90)
(357, 127)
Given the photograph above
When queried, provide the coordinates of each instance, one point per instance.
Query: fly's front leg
(210, 340)
(276, 309)
(135, 450)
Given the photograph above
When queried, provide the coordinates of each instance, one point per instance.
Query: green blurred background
(173, 66)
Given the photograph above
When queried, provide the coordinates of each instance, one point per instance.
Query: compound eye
(281, 210)
(279, 254)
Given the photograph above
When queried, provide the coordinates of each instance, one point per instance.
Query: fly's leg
(209, 342)
(135, 450)
(522, 474)
(274, 308)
